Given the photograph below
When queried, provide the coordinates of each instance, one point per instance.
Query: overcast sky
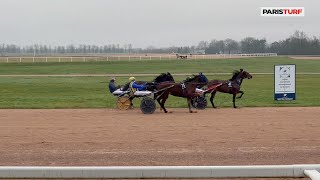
(142, 23)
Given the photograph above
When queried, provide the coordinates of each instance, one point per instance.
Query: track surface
(88, 137)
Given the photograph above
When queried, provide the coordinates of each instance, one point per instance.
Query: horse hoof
(215, 107)
(193, 111)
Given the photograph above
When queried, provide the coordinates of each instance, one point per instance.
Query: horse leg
(189, 105)
(212, 97)
(155, 95)
(160, 104)
(162, 100)
(234, 101)
(241, 94)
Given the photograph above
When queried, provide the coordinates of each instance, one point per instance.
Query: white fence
(265, 171)
(126, 57)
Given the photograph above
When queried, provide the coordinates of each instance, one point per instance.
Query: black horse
(163, 77)
(232, 86)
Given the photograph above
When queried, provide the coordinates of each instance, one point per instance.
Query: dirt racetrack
(225, 136)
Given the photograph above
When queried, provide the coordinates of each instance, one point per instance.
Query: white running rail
(133, 57)
(257, 171)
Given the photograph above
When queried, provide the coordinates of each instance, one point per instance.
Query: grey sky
(148, 22)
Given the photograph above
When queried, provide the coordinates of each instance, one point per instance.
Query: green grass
(260, 64)
(92, 92)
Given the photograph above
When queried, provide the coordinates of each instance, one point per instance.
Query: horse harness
(237, 81)
(163, 91)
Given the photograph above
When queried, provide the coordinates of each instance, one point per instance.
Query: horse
(181, 57)
(232, 86)
(163, 77)
(185, 89)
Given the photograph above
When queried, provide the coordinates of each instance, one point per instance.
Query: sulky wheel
(199, 102)
(123, 103)
(148, 105)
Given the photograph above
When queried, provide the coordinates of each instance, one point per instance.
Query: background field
(92, 92)
(252, 64)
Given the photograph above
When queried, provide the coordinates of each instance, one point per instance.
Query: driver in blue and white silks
(133, 86)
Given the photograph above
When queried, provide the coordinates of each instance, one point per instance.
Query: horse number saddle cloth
(229, 84)
(183, 86)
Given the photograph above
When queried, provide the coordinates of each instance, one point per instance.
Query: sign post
(285, 82)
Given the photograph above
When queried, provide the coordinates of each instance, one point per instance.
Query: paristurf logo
(282, 11)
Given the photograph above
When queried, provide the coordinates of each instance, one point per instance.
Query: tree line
(296, 44)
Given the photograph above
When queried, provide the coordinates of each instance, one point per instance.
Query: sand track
(113, 137)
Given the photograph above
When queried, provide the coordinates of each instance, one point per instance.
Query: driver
(112, 85)
(134, 86)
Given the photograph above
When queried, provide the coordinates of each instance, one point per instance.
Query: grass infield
(92, 92)
(257, 65)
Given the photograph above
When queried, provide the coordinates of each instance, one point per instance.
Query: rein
(164, 90)
(195, 83)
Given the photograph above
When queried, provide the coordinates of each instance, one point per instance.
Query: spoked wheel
(148, 105)
(199, 102)
(123, 103)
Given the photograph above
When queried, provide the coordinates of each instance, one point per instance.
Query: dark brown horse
(232, 86)
(185, 89)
